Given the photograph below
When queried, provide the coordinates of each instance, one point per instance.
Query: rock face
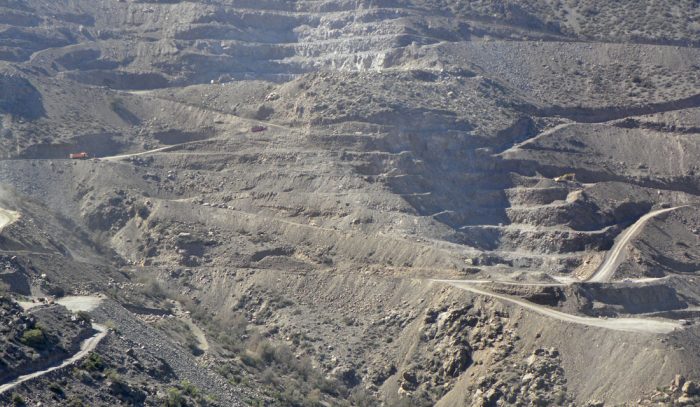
(681, 392)
(452, 338)
(538, 380)
(691, 388)
(279, 193)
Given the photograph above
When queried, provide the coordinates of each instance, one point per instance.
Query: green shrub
(152, 288)
(285, 357)
(249, 359)
(313, 398)
(56, 389)
(112, 375)
(111, 325)
(93, 363)
(330, 387)
(361, 398)
(17, 400)
(34, 338)
(74, 402)
(83, 376)
(84, 316)
(174, 398)
(268, 376)
(189, 389)
(267, 352)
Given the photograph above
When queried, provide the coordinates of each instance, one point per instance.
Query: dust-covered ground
(411, 202)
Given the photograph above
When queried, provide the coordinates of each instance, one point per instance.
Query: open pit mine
(214, 203)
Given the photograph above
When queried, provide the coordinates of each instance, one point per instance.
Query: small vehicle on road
(258, 129)
(79, 156)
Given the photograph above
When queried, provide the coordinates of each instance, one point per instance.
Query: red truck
(78, 156)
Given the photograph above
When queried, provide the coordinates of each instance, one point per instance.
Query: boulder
(686, 401)
(409, 380)
(691, 388)
(347, 374)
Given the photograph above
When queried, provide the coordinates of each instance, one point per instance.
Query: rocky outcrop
(536, 381)
(450, 338)
(681, 392)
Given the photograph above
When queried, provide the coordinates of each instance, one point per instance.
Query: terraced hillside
(375, 202)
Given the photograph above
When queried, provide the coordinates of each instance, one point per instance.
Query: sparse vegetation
(151, 287)
(93, 363)
(36, 338)
(84, 317)
(174, 398)
(57, 389)
(185, 394)
(190, 389)
(74, 402)
(349, 153)
(291, 381)
(17, 400)
(111, 325)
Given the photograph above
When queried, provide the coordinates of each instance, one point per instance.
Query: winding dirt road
(155, 150)
(74, 304)
(86, 347)
(639, 325)
(603, 274)
(506, 282)
(520, 145)
(123, 156)
(616, 254)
